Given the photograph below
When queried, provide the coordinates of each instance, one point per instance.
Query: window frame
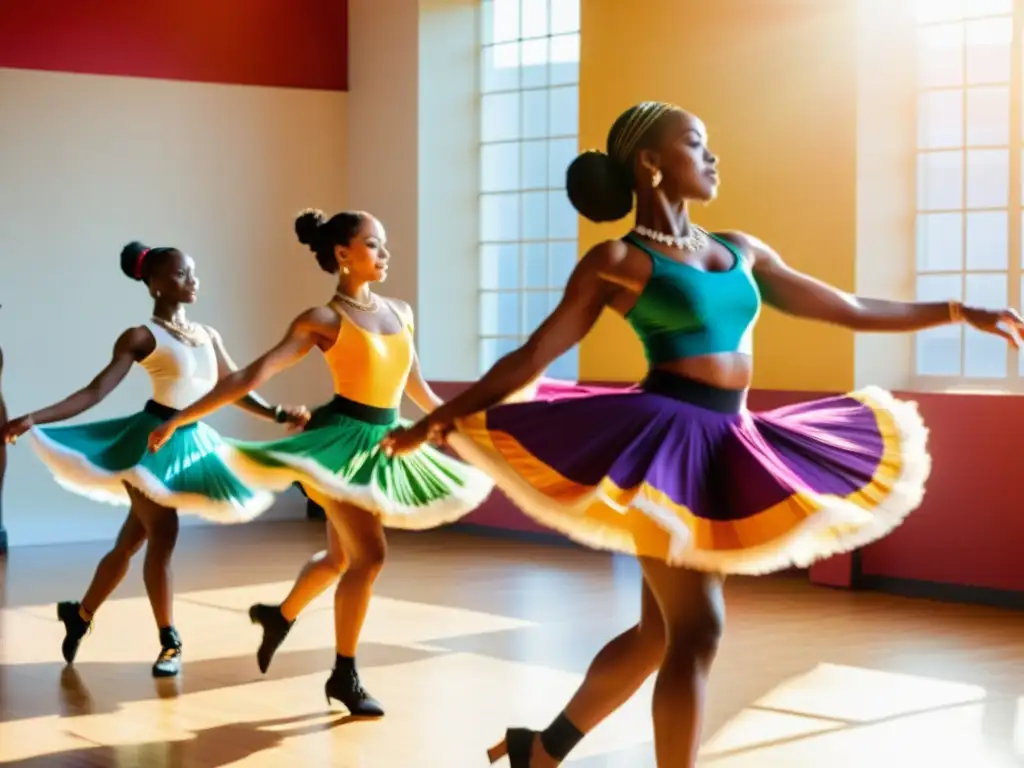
(1013, 381)
(489, 285)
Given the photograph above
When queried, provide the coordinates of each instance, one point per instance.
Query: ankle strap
(560, 738)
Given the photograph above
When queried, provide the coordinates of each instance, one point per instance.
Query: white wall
(449, 189)
(89, 163)
(886, 127)
(412, 138)
(381, 129)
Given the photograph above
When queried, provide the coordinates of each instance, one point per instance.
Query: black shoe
(344, 686)
(75, 628)
(517, 744)
(168, 663)
(275, 629)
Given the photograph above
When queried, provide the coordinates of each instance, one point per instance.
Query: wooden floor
(468, 634)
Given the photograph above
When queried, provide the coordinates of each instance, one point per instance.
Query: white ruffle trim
(74, 472)
(838, 526)
(458, 502)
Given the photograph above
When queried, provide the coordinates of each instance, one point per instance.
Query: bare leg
(77, 617)
(693, 608)
(321, 571)
(161, 525)
(362, 537)
(162, 535)
(620, 668)
(112, 568)
(614, 675)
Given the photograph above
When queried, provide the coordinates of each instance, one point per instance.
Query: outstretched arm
(250, 401)
(301, 337)
(134, 344)
(586, 295)
(416, 387)
(419, 390)
(800, 295)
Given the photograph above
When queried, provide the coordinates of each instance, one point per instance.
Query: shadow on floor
(37, 690)
(210, 748)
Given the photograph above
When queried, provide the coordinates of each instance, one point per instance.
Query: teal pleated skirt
(191, 472)
(338, 455)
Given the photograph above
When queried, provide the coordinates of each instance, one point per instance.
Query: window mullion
(526, 86)
(964, 170)
(975, 80)
(1014, 241)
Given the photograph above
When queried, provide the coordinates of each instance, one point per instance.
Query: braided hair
(600, 184)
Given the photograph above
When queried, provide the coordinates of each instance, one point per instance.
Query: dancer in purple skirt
(676, 470)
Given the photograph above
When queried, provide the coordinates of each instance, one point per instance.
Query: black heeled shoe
(517, 744)
(275, 629)
(75, 628)
(344, 685)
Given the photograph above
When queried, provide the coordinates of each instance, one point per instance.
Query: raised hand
(1000, 322)
(407, 439)
(161, 435)
(296, 416)
(15, 428)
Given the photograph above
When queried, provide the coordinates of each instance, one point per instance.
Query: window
(969, 145)
(529, 116)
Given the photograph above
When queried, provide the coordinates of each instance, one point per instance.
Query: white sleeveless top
(180, 374)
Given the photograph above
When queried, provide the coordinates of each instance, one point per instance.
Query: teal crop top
(687, 312)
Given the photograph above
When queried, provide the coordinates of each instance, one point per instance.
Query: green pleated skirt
(191, 472)
(338, 454)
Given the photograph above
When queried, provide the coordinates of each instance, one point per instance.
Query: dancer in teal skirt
(108, 460)
(367, 343)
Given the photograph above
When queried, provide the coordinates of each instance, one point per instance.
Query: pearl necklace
(187, 333)
(370, 306)
(692, 242)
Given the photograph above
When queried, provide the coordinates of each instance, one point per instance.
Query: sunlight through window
(529, 112)
(968, 184)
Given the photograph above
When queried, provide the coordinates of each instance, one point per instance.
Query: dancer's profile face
(175, 278)
(366, 255)
(689, 169)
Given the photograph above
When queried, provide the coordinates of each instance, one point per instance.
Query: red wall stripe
(283, 43)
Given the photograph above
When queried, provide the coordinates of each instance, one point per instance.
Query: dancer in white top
(109, 460)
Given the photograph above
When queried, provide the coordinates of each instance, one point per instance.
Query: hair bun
(308, 226)
(598, 187)
(130, 259)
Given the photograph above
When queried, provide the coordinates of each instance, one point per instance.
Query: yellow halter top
(371, 368)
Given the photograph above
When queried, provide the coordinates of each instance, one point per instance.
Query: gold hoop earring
(656, 179)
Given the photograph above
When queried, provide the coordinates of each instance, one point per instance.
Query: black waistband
(368, 413)
(694, 392)
(162, 412)
(165, 413)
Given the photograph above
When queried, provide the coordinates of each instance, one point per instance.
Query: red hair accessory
(138, 264)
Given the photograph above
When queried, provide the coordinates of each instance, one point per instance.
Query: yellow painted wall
(776, 83)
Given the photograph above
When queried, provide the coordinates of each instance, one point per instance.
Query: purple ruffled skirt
(681, 471)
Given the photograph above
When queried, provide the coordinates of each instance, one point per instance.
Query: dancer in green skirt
(367, 342)
(109, 461)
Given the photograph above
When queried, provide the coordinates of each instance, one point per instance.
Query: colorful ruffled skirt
(338, 455)
(681, 471)
(190, 472)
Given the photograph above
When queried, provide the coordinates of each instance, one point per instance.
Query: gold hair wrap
(641, 118)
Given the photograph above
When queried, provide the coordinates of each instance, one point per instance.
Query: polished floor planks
(469, 634)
